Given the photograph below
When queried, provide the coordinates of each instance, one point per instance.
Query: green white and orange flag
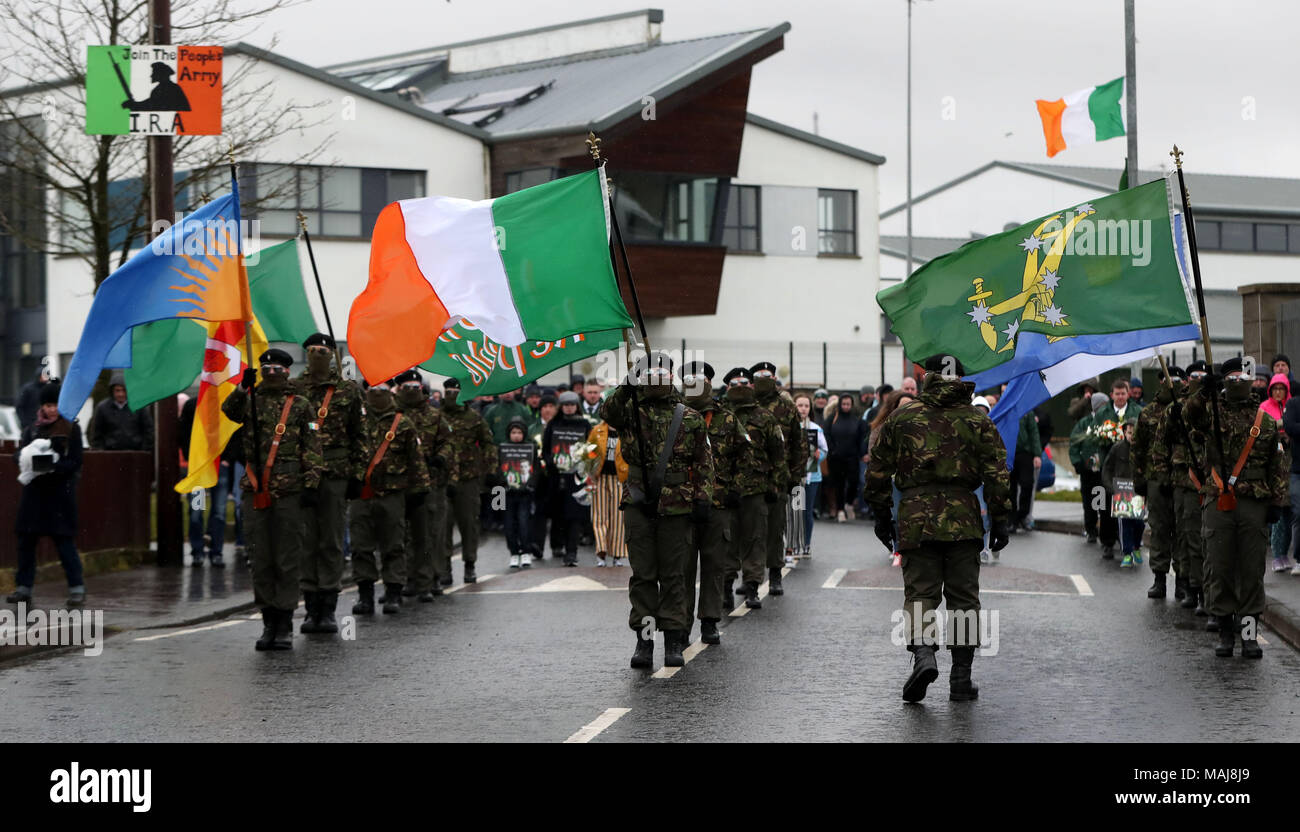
(526, 267)
(153, 90)
(224, 363)
(1083, 117)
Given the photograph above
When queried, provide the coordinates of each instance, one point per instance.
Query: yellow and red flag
(224, 363)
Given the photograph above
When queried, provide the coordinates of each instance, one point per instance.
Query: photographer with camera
(49, 460)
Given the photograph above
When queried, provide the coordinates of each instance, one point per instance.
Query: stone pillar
(1261, 335)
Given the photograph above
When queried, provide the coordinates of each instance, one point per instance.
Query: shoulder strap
(383, 446)
(325, 405)
(669, 440)
(275, 446)
(1245, 452)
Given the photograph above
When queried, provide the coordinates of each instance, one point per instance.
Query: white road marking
(571, 583)
(1261, 639)
(762, 593)
(1081, 585)
(693, 650)
(835, 578)
(589, 731)
(460, 586)
(195, 629)
(982, 591)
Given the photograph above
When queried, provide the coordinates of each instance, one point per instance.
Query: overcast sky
(1197, 61)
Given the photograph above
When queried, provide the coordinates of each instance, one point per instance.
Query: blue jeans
(1130, 534)
(26, 574)
(519, 509)
(809, 502)
(1280, 534)
(228, 475)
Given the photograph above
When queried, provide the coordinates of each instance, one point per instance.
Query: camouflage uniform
(379, 523)
(1236, 541)
(1170, 453)
(339, 430)
(657, 542)
(712, 542)
(760, 479)
(1153, 469)
(426, 523)
(938, 451)
(787, 417)
(473, 455)
(275, 540)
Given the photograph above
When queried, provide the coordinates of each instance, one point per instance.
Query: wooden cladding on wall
(674, 280)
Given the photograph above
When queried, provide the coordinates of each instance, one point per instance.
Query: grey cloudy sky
(1216, 77)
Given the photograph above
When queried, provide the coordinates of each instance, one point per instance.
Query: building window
(519, 179)
(668, 208)
(837, 221)
(887, 335)
(1270, 237)
(336, 201)
(740, 226)
(1237, 236)
(1293, 239)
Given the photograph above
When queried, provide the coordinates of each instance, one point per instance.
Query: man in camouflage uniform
(937, 451)
(388, 470)
(336, 405)
(787, 417)
(1186, 465)
(284, 486)
(425, 523)
(1245, 492)
(1152, 470)
(473, 455)
(711, 543)
(759, 483)
(658, 512)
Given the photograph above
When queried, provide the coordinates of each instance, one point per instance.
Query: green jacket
(402, 467)
(299, 463)
(727, 440)
(796, 449)
(937, 451)
(688, 477)
(762, 464)
(1265, 474)
(435, 441)
(474, 452)
(341, 428)
(1027, 439)
(499, 416)
(1087, 449)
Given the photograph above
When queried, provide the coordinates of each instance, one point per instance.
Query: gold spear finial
(230, 151)
(302, 220)
(593, 146)
(1178, 157)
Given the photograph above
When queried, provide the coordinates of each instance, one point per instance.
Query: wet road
(536, 656)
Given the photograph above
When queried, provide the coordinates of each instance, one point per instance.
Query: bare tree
(55, 194)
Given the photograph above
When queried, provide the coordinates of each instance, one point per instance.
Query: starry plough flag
(1103, 267)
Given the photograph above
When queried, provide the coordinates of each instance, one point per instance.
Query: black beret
(1175, 372)
(50, 393)
(762, 365)
(655, 360)
(1280, 357)
(578, 378)
(1232, 365)
(941, 363)
(451, 384)
(695, 368)
(318, 339)
(1197, 366)
(409, 375)
(737, 372)
(275, 355)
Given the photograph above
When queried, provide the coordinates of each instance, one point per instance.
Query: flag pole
(1130, 91)
(1190, 224)
(302, 223)
(246, 302)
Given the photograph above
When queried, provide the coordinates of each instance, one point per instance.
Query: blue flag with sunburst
(192, 270)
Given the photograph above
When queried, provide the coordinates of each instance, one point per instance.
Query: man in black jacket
(115, 427)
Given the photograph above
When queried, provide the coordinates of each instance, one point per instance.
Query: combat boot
(409, 591)
(751, 596)
(673, 648)
(709, 632)
(283, 630)
(365, 604)
(644, 656)
(960, 687)
(470, 575)
(1249, 646)
(392, 599)
(1189, 600)
(311, 601)
(1212, 624)
(1158, 587)
(1180, 587)
(924, 671)
(728, 591)
(1200, 602)
(267, 638)
(325, 603)
(774, 581)
(1227, 637)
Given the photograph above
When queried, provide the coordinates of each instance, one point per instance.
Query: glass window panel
(282, 223)
(341, 189)
(1237, 236)
(405, 185)
(1293, 245)
(749, 206)
(309, 187)
(748, 240)
(1270, 237)
(277, 187)
(732, 218)
(1207, 235)
(341, 225)
(731, 238)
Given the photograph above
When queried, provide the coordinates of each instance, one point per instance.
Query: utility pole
(162, 207)
(1130, 92)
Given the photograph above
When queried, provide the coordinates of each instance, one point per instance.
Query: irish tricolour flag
(530, 266)
(1083, 117)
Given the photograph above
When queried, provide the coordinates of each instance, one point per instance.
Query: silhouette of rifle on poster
(166, 95)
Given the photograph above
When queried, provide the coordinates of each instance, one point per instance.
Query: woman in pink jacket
(1279, 392)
